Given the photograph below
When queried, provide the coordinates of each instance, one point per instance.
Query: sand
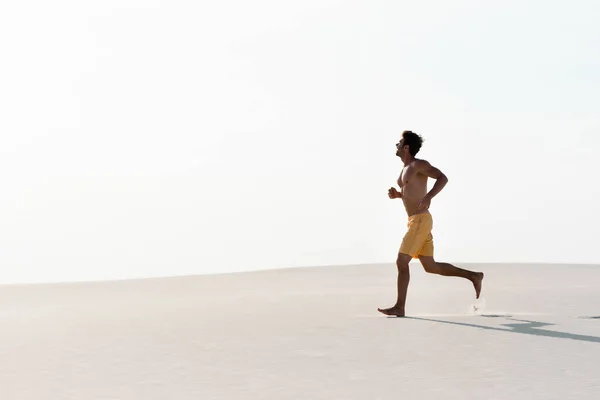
(306, 333)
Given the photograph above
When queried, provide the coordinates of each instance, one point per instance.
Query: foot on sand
(477, 283)
(397, 311)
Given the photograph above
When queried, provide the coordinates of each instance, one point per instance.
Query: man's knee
(429, 264)
(402, 261)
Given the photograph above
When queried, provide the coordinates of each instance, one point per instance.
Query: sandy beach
(306, 333)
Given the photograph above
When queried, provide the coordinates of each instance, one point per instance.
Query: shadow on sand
(521, 326)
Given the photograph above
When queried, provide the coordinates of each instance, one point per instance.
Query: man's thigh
(428, 262)
(418, 239)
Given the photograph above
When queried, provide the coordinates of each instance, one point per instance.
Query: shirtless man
(418, 241)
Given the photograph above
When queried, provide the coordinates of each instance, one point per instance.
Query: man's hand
(394, 194)
(424, 203)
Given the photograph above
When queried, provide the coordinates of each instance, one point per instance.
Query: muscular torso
(414, 188)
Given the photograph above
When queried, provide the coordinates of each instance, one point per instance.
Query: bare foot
(477, 283)
(397, 311)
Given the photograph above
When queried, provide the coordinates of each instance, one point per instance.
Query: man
(418, 241)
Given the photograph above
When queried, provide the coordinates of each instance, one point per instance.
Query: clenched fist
(394, 194)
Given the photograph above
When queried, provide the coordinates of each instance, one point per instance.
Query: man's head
(410, 143)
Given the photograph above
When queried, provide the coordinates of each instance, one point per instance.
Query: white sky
(152, 138)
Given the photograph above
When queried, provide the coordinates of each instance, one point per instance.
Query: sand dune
(307, 333)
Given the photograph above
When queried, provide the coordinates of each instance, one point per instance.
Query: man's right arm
(395, 194)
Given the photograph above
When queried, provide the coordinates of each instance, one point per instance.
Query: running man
(418, 240)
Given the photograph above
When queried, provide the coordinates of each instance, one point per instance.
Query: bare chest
(407, 175)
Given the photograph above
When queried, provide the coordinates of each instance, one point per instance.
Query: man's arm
(394, 194)
(429, 170)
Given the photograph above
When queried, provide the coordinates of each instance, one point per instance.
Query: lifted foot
(477, 283)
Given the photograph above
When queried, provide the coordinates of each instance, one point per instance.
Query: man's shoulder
(421, 163)
(422, 167)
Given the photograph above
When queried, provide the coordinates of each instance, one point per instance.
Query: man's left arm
(429, 170)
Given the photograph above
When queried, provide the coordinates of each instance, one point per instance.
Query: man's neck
(407, 160)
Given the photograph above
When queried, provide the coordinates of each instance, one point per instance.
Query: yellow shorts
(418, 240)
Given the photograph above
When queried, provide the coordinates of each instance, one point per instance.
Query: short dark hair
(413, 141)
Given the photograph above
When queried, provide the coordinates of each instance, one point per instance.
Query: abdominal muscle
(412, 193)
(411, 207)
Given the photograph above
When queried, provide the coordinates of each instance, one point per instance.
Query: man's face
(400, 148)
